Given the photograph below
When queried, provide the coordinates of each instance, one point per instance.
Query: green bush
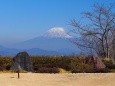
(5, 62)
(47, 70)
(105, 70)
(1, 64)
(109, 64)
(53, 64)
(82, 68)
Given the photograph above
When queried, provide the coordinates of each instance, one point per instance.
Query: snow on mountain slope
(56, 39)
(57, 32)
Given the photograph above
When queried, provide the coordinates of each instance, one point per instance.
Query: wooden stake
(18, 74)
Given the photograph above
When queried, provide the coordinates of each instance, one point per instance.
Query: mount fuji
(57, 32)
(54, 42)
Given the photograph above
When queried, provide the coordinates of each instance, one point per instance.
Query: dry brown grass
(37, 79)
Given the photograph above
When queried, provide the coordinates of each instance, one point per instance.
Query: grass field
(37, 79)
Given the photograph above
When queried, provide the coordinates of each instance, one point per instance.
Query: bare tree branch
(99, 34)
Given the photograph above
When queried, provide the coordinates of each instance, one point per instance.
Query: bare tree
(98, 32)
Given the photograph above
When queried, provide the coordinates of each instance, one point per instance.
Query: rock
(22, 61)
(95, 61)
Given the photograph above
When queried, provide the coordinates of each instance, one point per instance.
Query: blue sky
(25, 19)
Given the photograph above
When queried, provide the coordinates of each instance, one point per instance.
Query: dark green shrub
(47, 70)
(2, 68)
(5, 62)
(109, 64)
(83, 68)
(1, 64)
(105, 70)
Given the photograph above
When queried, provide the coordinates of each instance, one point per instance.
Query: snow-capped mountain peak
(57, 32)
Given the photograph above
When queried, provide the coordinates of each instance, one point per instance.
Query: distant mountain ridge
(34, 51)
(54, 42)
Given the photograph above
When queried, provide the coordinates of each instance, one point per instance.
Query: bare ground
(37, 79)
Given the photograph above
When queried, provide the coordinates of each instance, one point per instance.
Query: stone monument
(95, 61)
(22, 61)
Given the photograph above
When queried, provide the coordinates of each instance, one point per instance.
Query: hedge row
(51, 64)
